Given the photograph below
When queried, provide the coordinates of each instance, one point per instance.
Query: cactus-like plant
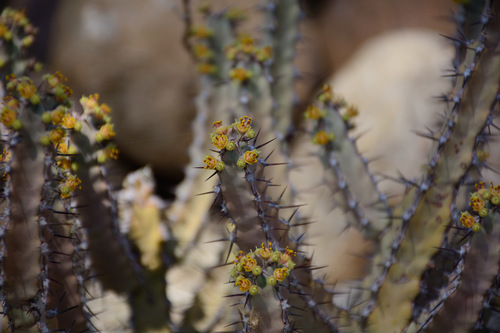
(434, 264)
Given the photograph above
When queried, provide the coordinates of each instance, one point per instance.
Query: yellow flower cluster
(244, 48)
(15, 28)
(317, 111)
(228, 138)
(262, 267)
(25, 88)
(8, 117)
(55, 84)
(482, 202)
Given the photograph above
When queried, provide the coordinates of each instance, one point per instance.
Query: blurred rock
(130, 53)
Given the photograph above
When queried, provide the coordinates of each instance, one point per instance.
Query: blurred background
(387, 57)
(130, 53)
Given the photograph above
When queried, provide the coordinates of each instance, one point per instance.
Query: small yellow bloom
(202, 52)
(240, 74)
(8, 116)
(251, 157)
(26, 89)
(57, 116)
(68, 121)
(249, 264)
(264, 53)
(243, 283)
(281, 273)
(313, 112)
(201, 32)
(467, 220)
(476, 202)
(106, 131)
(56, 135)
(210, 161)
(206, 68)
(265, 252)
(244, 124)
(322, 138)
(220, 141)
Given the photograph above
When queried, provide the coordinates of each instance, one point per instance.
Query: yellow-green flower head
(26, 88)
(57, 115)
(240, 74)
(230, 146)
(313, 112)
(107, 131)
(272, 281)
(253, 290)
(202, 52)
(201, 32)
(322, 138)
(56, 135)
(257, 270)
(240, 163)
(326, 94)
(264, 54)
(206, 68)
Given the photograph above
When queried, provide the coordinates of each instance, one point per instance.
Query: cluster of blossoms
(232, 138)
(262, 267)
(201, 50)
(317, 112)
(244, 48)
(99, 115)
(482, 202)
(9, 115)
(15, 28)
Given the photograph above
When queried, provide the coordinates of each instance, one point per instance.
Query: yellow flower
(243, 283)
(57, 116)
(280, 273)
(210, 162)
(220, 141)
(322, 138)
(56, 135)
(467, 220)
(206, 68)
(8, 116)
(26, 89)
(90, 104)
(70, 185)
(313, 112)
(476, 202)
(106, 131)
(251, 157)
(201, 32)
(265, 252)
(68, 121)
(264, 53)
(202, 52)
(240, 74)
(244, 124)
(249, 264)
